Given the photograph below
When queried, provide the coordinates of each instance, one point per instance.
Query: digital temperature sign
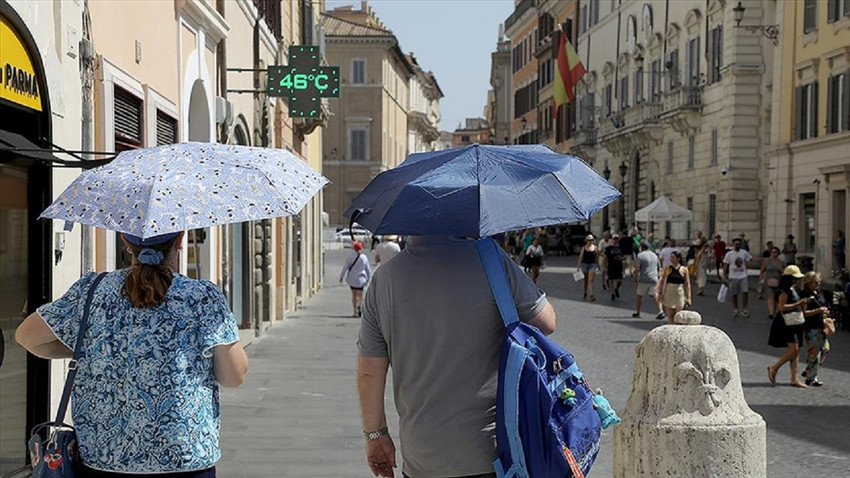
(303, 81)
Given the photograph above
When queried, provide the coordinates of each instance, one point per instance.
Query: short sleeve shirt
(145, 399)
(431, 312)
(737, 261)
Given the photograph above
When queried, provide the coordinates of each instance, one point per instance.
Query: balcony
(682, 109)
(585, 136)
(635, 128)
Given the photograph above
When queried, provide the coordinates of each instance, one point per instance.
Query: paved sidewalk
(297, 414)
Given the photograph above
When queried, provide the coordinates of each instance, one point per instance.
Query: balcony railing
(584, 136)
(685, 98)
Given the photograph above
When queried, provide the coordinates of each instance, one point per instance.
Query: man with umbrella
(430, 312)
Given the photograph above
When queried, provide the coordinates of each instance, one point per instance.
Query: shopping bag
(578, 275)
(721, 294)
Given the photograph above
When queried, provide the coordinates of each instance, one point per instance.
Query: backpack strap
(498, 279)
(490, 259)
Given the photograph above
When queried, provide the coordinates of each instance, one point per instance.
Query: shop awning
(14, 145)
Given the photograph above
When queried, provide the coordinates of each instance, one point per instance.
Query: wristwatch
(376, 434)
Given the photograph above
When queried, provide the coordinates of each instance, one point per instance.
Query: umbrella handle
(354, 215)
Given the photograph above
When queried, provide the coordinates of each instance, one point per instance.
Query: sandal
(799, 384)
(593, 298)
(771, 375)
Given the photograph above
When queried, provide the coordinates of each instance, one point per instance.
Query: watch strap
(376, 434)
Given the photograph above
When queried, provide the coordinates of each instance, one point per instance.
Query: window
(672, 66)
(655, 82)
(624, 92)
(594, 13)
(810, 12)
(836, 9)
(714, 54)
(358, 72)
(693, 62)
(128, 120)
(608, 94)
(582, 19)
(714, 147)
(807, 203)
(639, 85)
(712, 215)
(357, 147)
(464, 138)
(806, 111)
(691, 153)
(690, 205)
(669, 156)
(838, 103)
(166, 129)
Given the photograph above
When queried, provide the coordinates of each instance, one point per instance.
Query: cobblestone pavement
(297, 413)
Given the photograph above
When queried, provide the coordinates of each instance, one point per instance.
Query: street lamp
(524, 123)
(771, 32)
(606, 173)
(624, 168)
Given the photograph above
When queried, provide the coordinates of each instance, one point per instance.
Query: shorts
(770, 291)
(674, 296)
(356, 288)
(646, 288)
(589, 266)
(93, 473)
(738, 286)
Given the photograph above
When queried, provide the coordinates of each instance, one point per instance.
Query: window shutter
(718, 45)
(814, 110)
(128, 118)
(830, 107)
(845, 97)
(166, 129)
(709, 56)
(831, 11)
(798, 113)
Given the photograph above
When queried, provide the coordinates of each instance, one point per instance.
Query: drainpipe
(223, 133)
(87, 57)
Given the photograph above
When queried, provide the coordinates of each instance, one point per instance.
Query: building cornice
(202, 14)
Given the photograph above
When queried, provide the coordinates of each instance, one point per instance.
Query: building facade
(369, 131)
(97, 78)
(521, 29)
(423, 119)
(808, 165)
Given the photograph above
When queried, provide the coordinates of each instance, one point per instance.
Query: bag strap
(352, 263)
(72, 365)
(498, 280)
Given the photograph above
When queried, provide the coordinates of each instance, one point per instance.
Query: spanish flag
(568, 72)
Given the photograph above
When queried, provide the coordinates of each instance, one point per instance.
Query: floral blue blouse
(145, 398)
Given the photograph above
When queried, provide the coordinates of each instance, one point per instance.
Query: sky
(451, 38)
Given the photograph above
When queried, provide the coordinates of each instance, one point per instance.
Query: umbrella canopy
(480, 190)
(663, 209)
(152, 191)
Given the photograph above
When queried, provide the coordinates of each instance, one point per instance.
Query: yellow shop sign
(18, 81)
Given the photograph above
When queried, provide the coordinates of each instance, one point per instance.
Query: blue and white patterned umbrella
(153, 191)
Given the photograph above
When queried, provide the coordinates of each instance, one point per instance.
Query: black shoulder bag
(57, 457)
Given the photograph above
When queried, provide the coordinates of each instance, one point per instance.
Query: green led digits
(304, 82)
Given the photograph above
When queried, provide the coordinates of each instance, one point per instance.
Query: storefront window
(13, 294)
(808, 222)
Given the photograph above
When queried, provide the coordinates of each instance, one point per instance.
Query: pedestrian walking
(675, 287)
(735, 276)
(587, 263)
(791, 335)
(646, 279)
(603, 263)
(769, 275)
(719, 248)
(534, 257)
(790, 250)
(814, 336)
(429, 314)
(356, 272)
(615, 260)
(158, 344)
(702, 263)
(387, 249)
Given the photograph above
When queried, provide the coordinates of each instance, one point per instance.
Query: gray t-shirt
(648, 263)
(431, 312)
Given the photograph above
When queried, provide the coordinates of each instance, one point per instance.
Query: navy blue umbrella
(479, 190)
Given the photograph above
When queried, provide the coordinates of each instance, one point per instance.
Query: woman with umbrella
(158, 344)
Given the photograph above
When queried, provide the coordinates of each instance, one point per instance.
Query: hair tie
(150, 257)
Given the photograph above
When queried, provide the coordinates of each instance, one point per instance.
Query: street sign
(303, 81)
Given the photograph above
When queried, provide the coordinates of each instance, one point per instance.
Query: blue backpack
(548, 419)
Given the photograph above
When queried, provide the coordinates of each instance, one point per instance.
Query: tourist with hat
(783, 334)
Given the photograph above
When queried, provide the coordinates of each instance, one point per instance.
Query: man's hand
(380, 455)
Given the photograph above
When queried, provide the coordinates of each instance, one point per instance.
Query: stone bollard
(686, 415)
